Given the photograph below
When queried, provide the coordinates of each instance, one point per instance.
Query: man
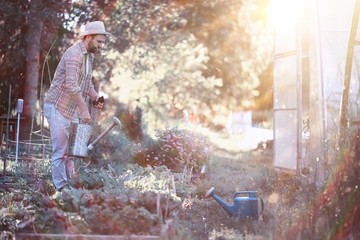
(65, 100)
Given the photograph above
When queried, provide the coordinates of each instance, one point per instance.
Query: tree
(12, 49)
(33, 47)
(167, 78)
(239, 43)
(224, 40)
(32, 31)
(43, 19)
(202, 55)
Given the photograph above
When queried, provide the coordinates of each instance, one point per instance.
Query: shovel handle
(115, 122)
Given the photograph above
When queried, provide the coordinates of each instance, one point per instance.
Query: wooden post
(167, 206)
(190, 175)
(184, 173)
(348, 67)
(202, 173)
(168, 231)
(30, 135)
(7, 132)
(28, 236)
(158, 204)
(173, 184)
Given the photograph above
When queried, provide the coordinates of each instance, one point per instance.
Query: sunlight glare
(285, 12)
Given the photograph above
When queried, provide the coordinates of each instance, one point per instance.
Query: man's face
(96, 43)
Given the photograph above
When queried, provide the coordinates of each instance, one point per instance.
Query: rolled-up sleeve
(72, 67)
(91, 85)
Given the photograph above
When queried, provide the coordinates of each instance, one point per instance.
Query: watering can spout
(227, 207)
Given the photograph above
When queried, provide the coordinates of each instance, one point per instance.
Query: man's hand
(85, 116)
(99, 102)
(99, 105)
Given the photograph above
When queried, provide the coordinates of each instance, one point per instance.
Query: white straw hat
(96, 27)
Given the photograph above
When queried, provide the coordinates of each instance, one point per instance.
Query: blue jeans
(59, 131)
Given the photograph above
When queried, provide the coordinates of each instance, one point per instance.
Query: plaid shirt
(70, 79)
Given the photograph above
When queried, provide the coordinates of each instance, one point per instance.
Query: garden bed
(129, 201)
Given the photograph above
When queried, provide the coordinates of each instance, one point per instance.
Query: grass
(231, 170)
(228, 173)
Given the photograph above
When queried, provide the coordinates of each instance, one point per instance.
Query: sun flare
(285, 12)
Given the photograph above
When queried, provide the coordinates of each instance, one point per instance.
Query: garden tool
(245, 206)
(79, 141)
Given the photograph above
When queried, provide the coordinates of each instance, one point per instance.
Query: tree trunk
(32, 63)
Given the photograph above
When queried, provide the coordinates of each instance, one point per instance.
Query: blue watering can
(243, 207)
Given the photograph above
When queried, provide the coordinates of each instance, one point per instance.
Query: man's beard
(92, 48)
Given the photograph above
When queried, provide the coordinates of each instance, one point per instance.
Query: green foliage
(166, 78)
(7, 228)
(132, 124)
(14, 208)
(175, 149)
(89, 178)
(129, 200)
(113, 148)
(128, 219)
(207, 56)
(147, 179)
(122, 199)
(51, 220)
(238, 39)
(204, 56)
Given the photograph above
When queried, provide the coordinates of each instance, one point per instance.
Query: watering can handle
(262, 204)
(241, 192)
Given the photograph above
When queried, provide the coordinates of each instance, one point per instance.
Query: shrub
(112, 148)
(175, 149)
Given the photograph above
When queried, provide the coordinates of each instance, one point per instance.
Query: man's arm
(85, 115)
(94, 96)
(72, 67)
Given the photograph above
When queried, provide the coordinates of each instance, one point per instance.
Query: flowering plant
(175, 149)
